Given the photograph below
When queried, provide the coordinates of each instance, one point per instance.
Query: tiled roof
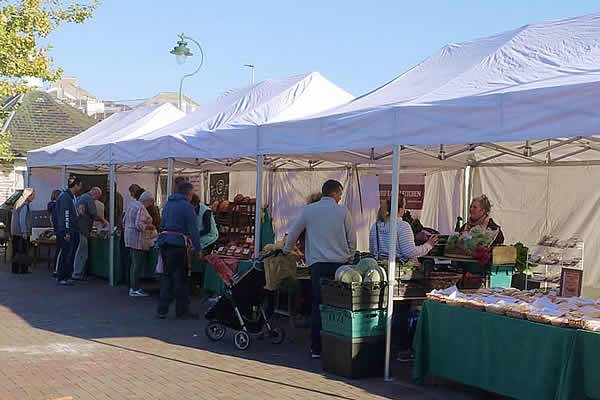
(41, 120)
(167, 97)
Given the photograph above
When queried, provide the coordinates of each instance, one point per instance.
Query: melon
(365, 264)
(350, 275)
(375, 275)
(341, 269)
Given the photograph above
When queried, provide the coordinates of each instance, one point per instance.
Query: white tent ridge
(93, 146)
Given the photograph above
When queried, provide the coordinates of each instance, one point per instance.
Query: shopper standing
(330, 242)
(86, 209)
(138, 223)
(179, 233)
(67, 235)
(53, 210)
(20, 228)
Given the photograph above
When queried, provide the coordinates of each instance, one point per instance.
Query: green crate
(501, 275)
(353, 324)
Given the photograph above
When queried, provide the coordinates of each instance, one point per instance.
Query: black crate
(354, 296)
(353, 357)
(409, 289)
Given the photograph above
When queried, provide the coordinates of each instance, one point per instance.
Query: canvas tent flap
(92, 146)
(212, 129)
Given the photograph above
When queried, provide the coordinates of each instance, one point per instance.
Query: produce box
(410, 274)
(463, 244)
(502, 255)
(501, 275)
(354, 296)
(352, 323)
(409, 289)
(353, 358)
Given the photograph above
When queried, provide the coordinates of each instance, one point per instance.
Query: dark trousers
(318, 271)
(21, 258)
(67, 250)
(401, 339)
(174, 281)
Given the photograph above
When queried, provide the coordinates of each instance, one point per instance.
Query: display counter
(508, 356)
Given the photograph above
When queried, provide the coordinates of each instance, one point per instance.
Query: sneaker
(134, 293)
(161, 316)
(314, 354)
(66, 282)
(405, 356)
(141, 293)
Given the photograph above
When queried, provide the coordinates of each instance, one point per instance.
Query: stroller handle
(270, 254)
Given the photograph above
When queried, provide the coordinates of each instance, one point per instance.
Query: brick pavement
(92, 341)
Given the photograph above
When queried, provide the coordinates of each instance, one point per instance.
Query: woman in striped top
(379, 237)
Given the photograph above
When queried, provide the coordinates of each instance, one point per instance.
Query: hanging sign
(414, 194)
(219, 187)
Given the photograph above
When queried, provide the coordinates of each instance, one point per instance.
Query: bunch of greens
(467, 242)
(521, 263)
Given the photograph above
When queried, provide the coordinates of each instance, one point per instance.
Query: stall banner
(219, 187)
(414, 194)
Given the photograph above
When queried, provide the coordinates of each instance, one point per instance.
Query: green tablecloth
(508, 356)
(98, 256)
(98, 260)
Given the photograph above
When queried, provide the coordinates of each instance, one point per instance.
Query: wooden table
(50, 244)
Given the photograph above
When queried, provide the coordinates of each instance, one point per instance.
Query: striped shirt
(135, 220)
(405, 243)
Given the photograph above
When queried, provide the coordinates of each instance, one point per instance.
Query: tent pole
(258, 215)
(63, 177)
(111, 243)
(27, 179)
(170, 178)
(467, 202)
(392, 258)
(206, 187)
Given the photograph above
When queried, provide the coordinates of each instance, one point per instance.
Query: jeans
(67, 255)
(81, 256)
(138, 260)
(318, 271)
(174, 281)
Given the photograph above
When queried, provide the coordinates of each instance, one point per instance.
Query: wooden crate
(502, 255)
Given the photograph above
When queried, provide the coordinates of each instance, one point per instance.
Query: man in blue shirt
(179, 233)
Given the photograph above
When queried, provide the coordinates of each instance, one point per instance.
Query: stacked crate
(353, 322)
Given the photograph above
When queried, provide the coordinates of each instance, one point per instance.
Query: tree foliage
(23, 24)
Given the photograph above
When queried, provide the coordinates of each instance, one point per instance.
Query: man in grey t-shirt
(86, 208)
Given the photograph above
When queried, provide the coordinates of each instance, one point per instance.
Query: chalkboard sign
(219, 187)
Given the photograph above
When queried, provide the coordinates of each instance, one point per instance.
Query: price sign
(571, 282)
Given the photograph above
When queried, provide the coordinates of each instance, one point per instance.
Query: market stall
(514, 322)
(487, 102)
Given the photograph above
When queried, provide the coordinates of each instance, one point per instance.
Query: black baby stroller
(242, 309)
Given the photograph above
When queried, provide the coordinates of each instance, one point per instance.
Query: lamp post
(251, 66)
(182, 52)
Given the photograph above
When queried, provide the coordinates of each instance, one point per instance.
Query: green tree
(23, 24)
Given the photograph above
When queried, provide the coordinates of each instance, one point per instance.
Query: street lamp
(182, 52)
(251, 66)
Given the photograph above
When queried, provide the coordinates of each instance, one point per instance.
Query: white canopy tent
(535, 89)
(93, 146)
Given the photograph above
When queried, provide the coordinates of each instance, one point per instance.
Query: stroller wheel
(241, 340)
(277, 335)
(215, 331)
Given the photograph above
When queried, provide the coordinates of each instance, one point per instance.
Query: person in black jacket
(67, 234)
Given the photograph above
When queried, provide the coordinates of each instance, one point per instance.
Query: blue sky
(123, 52)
